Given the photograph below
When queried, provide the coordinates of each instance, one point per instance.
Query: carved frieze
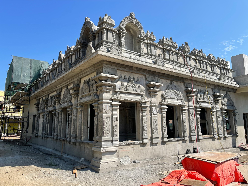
(51, 101)
(67, 97)
(172, 95)
(88, 87)
(130, 85)
(204, 99)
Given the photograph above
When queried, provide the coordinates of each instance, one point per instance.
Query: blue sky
(39, 29)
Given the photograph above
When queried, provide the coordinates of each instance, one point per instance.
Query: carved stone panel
(203, 99)
(172, 95)
(66, 98)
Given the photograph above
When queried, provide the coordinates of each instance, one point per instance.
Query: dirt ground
(27, 165)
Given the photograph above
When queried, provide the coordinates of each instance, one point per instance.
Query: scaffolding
(22, 72)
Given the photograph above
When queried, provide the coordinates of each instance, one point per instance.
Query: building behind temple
(117, 93)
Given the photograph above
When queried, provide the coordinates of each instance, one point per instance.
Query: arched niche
(131, 29)
(87, 35)
(131, 35)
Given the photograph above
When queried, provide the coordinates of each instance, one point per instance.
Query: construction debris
(74, 171)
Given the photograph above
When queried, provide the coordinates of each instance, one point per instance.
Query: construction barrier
(221, 173)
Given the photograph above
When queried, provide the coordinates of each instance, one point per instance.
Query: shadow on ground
(15, 152)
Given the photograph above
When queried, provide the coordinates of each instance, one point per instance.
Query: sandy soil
(27, 165)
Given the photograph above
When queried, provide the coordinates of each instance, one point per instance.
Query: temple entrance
(91, 115)
(170, 122)
(203, 122)
(229, 122)
(127, 123)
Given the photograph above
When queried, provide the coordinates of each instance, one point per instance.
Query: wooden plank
(190, 182)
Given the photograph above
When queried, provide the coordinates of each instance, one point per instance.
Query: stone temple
(119, 94)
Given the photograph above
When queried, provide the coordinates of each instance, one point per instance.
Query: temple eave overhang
(179, 70)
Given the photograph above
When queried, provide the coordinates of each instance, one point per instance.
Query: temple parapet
(128, 40)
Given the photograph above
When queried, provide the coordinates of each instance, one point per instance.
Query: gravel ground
(33, 165)
(29, 165)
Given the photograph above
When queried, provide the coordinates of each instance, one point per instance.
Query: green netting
(23, 71)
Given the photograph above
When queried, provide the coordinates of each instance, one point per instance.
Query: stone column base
(104, 158)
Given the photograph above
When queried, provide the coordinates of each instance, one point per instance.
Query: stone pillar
(154, 123)
(54, 124)
(235, 123)
(184, 112)
(115, 119)
(223, 114)
(163, 122)
(69, 123)
(104, 152)
(60, 126)
(80, 123)
(37, 124)
(198, 122)
(104, 34)
(218, 118)
(74, 124)
(122, 35)
(153, 89)
(213, 115)
(43, 125)
(144, 107)
(219, 123)
(191, 97)
(95, 105)
(46, 124)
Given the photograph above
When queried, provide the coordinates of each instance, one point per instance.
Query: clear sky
(39, 29)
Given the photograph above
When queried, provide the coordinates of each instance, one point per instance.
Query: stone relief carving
(51, 101)
(131, 86)
(66, 99)
(155, 125)
(204, 99)
(89, 86)
(42, 106)
(106, 126)
(173, 95)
